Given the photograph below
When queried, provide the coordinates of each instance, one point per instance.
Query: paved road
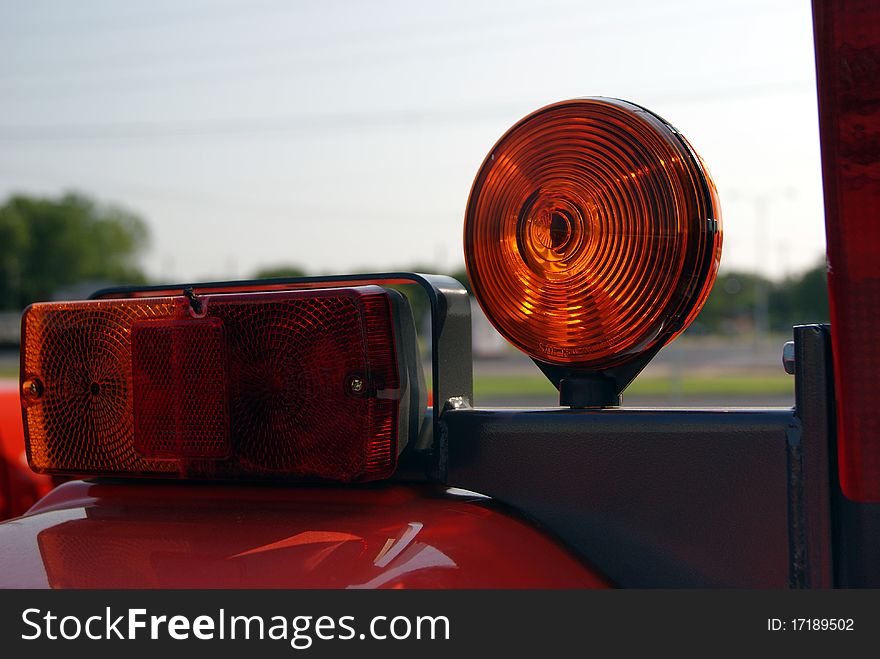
(647, 401)
(700, 356)
(693, 356)
(688, 356)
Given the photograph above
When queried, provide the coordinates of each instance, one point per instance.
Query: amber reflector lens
(300, 384)
(592, 233)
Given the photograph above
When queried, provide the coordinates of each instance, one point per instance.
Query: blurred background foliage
(796, 299)
(272, 271)
(65, 247)
(51, 244)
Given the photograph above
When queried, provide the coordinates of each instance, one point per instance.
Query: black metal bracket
(669, 498)
(451, 353)
(582, 388)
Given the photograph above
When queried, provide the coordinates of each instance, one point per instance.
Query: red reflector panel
(179, 384)
(299, 384)
(847, 48)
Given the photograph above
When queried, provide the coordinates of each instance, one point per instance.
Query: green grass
(753, 385)
(537, 385)
(695, 386)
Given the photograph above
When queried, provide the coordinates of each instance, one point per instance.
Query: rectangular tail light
(301, 385)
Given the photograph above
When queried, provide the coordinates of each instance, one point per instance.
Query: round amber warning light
(592, 233)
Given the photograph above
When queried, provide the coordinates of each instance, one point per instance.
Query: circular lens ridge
(592, 233)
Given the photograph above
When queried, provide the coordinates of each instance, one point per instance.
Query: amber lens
(592, 233)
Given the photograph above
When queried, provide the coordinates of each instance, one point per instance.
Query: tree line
(48, 244)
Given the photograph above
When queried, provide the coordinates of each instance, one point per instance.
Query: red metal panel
(20, 488)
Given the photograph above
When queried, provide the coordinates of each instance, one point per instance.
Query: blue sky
(344, 136)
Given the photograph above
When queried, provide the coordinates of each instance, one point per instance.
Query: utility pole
(761, 204)
(762, 295)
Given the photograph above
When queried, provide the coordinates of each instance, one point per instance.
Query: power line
(299, 123)
(336, 52)
(136, 22)
(241, 125)
(215, 200)
(378, 34)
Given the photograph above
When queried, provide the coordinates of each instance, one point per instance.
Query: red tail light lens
(592, 233)
(300, 384)
(179, 388)
(847, 48)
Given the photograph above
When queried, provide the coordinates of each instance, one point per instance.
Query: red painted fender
(188, 535)
(20, 488)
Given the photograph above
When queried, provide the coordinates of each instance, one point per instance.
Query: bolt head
(788, 357)
(32, 389)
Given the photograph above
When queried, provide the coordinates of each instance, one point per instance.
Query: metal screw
(788, 357)
(195, 302)
(32, 389)
(357, 385)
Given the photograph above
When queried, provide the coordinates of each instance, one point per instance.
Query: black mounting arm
(580, 388)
